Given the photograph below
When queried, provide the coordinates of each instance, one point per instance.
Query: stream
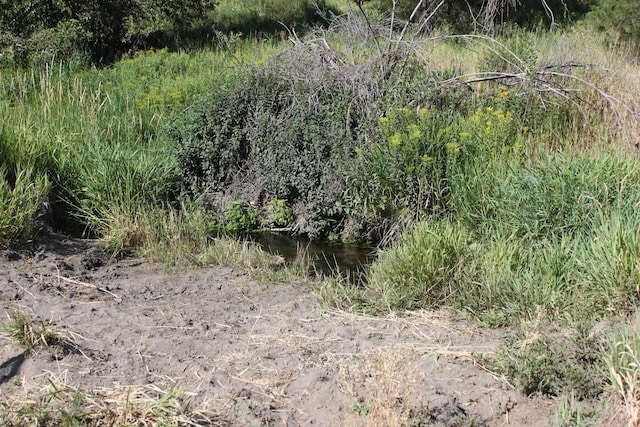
(327, 258)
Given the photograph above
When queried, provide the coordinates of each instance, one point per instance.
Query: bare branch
(430, 16)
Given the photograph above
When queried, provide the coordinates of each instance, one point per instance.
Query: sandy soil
(252, 354)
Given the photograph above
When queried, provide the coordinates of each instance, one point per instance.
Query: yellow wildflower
(414, 131)
(503, 93)
(452, 147)
(395, 140)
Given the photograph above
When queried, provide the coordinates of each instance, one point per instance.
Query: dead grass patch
(60, 404)
(382, 386)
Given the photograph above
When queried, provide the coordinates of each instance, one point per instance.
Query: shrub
(12, 49)
(103, 28)
(68, 40)
(211, 140)
(300, 149)
(280, 139)
(240, 219)
(279, 213)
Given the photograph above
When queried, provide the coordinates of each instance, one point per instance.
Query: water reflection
(327, 258)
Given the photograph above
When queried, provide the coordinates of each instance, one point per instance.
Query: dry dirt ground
(249, 353)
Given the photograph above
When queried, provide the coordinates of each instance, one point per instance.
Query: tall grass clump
(23, 189)
(21, 197)
(98, 137)
(21, 329)
(433, 257)
(623, 368)
(101, 150)
(548, 196)
(561, 237)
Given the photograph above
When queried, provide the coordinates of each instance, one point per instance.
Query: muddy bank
(251, 354)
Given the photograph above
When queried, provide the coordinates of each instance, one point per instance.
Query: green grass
(510, 204)
(21, 329)
(94, 143)
(95, 140)
(539, 229)
(562, 237)
(20, 202)
(255, 16)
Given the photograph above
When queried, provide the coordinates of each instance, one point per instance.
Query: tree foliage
(100, 28)
(619, 17)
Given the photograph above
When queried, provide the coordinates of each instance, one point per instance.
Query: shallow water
(327, 258)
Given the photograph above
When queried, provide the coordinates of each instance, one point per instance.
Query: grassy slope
(550, 233)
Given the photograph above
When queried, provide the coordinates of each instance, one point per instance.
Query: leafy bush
(239, 218)
(68, 40)
(279, 214)
(211, 140)
(300, 151)
(102, 28)
(272, 142)
(531, 13)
